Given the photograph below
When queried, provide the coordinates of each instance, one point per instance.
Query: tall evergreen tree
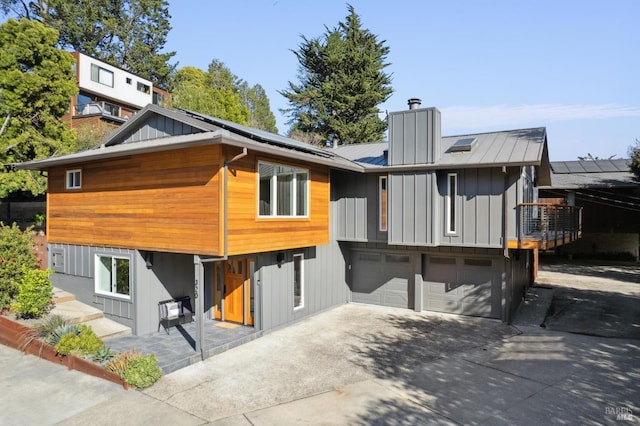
(260, 114)
(36, 83)
(130, 34)
(342, 82)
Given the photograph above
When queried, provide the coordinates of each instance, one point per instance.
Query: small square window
(74, 179)
(128, 80)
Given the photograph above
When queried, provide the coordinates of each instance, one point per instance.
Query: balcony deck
(547, 226)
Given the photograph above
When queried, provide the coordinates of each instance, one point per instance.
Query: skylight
(464, 144)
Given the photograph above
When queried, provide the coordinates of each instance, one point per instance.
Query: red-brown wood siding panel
(249, 234)
(165, 201)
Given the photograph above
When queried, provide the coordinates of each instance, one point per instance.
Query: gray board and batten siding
(418, 132)
(416, 207)
(325, 284)
(74, 271)
(355, 208)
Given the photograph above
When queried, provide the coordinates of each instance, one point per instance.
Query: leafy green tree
(634, 163)
(342, 82)
(211, 92)
(36, 83)
(127, 33)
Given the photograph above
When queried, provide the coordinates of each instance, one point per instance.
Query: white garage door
(463, 285)
(382, 278)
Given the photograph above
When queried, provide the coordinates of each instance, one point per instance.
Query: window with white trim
(451, 202)
(283, 191)
(101, 75)
(74, 179)
(113, 276)
(382, 197)
(298, 281)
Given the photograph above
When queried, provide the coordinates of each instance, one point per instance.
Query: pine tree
(260, 114)
(342, 82)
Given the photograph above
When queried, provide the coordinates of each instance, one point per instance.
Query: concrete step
(60, 296)
(104, 327)
(76, 312)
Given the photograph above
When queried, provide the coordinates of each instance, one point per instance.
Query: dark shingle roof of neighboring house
(591, 173)
(511, 147)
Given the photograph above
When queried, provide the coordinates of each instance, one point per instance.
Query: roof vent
(414, 103)
(462, 145)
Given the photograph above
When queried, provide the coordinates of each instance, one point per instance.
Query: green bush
(83, 343)
(142, 371)
(17, 251)
(34, 294)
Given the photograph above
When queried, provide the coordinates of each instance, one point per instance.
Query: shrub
(17, 251)
(34, 294)
(83, 343)
(142, 371)
(135, 369)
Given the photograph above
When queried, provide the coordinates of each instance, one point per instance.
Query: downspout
(506, 284)
(199, 268)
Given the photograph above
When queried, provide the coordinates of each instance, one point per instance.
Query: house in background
(610, 200)
(263, 230)
(108, 94)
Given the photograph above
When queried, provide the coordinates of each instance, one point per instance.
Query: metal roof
(591, 174)
(505, 148)
(213, 131)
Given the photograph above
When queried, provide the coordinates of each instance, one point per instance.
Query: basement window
(74, 179)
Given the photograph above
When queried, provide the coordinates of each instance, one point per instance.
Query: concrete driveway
(599, 299)
(361, 364)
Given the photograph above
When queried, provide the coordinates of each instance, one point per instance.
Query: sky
(571, 66)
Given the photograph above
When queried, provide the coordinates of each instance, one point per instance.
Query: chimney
(414, 135)
(414, 103)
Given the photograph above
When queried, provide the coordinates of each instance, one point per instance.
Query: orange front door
(234, 291)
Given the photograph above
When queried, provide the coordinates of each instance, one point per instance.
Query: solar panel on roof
(559, 167)
(464, 144)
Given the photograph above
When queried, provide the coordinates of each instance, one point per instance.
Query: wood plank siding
(164, 201)
(248, 233)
